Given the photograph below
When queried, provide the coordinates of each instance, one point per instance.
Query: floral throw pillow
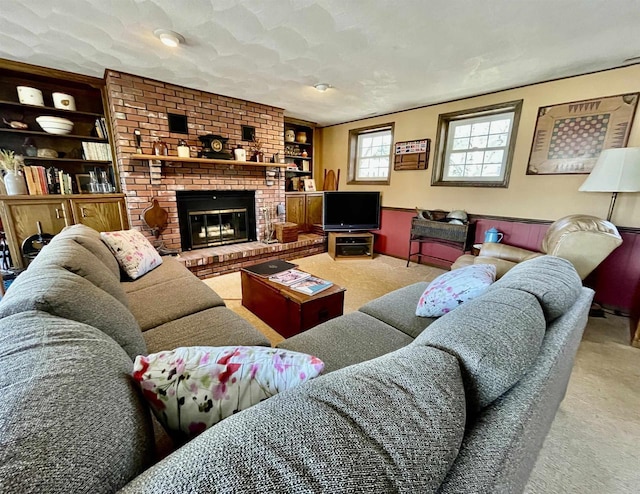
(189, 389)
(451, 289)
(134, 252)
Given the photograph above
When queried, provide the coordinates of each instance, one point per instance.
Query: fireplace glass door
(223, 226)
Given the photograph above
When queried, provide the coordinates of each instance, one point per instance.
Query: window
(370, 154)
(475, 147)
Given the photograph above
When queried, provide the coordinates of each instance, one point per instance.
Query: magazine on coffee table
(311, 285)
(289, 277)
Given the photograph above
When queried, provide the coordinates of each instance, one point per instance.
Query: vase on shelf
(289, 136)
(14, 183)
(258, 156)
(301, 137)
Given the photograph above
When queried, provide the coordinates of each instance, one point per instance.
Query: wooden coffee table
(288, 311)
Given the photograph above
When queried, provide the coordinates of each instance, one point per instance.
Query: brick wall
(140, 103)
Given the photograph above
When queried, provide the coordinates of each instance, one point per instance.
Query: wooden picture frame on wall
(412, 155)
(568, 138)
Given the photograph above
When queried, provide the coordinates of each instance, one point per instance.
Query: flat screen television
(350, 211)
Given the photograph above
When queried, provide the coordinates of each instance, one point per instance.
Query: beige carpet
(593, 444)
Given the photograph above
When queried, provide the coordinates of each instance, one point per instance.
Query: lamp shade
(617, 170)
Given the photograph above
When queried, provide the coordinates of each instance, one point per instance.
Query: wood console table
(439, 232)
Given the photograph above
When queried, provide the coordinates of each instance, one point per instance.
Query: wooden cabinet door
(313, 210)
(295, 205)
(20, 218)
(104, 214)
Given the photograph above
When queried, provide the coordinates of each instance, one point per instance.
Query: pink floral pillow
(190, 389)
(451, 289)
(134, 252)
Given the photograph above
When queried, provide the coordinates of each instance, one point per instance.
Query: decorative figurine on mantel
(256, 148)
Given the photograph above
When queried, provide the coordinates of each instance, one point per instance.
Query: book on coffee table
(289, 277)
(269, 268)
(311, 285)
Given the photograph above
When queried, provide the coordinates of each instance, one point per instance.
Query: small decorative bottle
(183, 149)
(160, 147)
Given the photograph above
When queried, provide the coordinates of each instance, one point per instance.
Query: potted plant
(13, 179)
(256, 148)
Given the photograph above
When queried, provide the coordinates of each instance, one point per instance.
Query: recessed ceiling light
(322, 86)
(169, 38)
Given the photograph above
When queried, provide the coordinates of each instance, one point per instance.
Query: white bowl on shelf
(55, 125)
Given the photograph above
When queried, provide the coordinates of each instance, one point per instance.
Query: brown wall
(140, 103)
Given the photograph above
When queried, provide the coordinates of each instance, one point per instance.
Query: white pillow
(190, 389)
(451, 289)
(134, 252)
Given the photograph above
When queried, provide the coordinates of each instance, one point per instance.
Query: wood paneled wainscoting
(616, 281)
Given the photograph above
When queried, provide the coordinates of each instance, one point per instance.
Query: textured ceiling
(379, 56)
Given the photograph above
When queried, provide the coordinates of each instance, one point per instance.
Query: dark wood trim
(353, 151)
(437, 176)
(52, 73)
(532, 221)
(455, 100)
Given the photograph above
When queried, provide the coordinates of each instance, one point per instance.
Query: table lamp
(617, 170)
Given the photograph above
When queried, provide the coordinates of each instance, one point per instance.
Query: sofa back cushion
(90, 239)
(496, 338)
(71, 417)
(55, 290)
(392, 424)
(552, 280)
(75, 258)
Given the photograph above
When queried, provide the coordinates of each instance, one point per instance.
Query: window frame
(354, 134)
(444, 120)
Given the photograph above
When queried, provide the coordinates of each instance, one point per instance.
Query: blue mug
(492, 235)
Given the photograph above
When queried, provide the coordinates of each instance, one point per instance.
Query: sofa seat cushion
(90, 239)
(496, 338)
(398, 309)
(171, 300)
(55, 290)
(72, 418)
(218, 326)
(552, 280)
(190, 389)
(336, 433)
(75, 258)
(347, 340)
(170, 269)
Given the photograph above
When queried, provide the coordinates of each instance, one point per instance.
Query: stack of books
(101, 128)
(47, 180)
(301, 281)
(96, 151)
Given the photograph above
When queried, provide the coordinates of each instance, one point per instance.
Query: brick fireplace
(137, 103)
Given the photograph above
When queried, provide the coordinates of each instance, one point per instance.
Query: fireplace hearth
(209, 218)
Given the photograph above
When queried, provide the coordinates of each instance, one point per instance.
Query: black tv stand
(351, 245)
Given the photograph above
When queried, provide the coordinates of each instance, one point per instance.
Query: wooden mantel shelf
(170, 159)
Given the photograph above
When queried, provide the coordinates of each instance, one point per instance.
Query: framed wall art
(412, 155)
(569, 137)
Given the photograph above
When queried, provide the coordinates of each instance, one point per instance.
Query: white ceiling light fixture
(169, 38)
(322, 86)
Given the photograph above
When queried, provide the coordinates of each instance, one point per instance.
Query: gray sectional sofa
(406, 404)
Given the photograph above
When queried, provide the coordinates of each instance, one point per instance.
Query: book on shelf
(96, 151)
(42, 180)
(311, 285)
(289, 277)
(101, 128)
